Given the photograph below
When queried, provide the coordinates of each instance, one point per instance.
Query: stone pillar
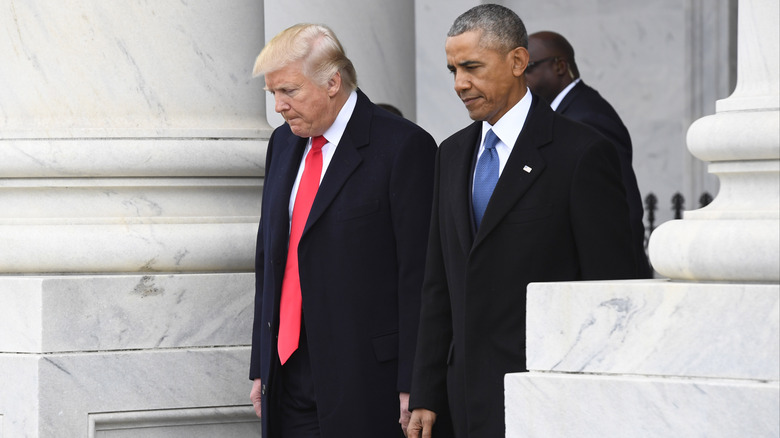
(132, 143)
(737, 236)
(697, 354)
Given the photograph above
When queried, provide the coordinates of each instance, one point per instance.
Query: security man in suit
(521, 195)
(552, 73)
(340, 249)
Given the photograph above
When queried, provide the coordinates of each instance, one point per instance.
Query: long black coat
(584, 104)
(361, 259)
(558, 213)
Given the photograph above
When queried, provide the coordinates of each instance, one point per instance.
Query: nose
(461, 82)
(280, 102)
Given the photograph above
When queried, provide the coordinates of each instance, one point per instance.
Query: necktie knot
(318, 142)
(491, 140)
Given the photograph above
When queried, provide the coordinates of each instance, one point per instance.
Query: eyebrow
(466, 63)
(285, 86)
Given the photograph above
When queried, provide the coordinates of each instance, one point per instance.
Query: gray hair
(501, 28)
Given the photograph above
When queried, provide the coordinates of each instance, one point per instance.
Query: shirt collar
(336, 130)
(508, 127)
(557, 101)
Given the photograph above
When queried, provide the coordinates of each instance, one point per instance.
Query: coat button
(262, 390)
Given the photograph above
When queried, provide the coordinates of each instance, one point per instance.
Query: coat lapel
(524, 166)
(459, 183)
(287, 157)
(569, 98)
(345, 160)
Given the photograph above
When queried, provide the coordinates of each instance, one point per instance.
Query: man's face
(305, 106)
(541, 72)
(488, 82)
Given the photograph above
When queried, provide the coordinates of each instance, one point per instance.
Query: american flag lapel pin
(527, 169)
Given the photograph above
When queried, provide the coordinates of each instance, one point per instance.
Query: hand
(403, 397)
(421, 424)
(255, 395)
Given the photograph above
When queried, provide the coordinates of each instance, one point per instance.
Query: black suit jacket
(557, 213)
(584, 104)
(361, 258)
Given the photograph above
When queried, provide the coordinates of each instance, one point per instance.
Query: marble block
(125, 312)
(655, 327)
(104, 356)
(553, 405)
(192, 392)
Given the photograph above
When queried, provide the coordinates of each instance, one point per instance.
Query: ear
(334, 84)
(520, 58)
(561, 67)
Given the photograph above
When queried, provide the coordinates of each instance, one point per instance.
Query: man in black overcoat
(557, 212)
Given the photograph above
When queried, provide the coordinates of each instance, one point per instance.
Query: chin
(297, 131)
(477, 117)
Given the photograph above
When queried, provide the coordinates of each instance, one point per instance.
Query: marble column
(698, 353)
(737, 236)
(132, 142)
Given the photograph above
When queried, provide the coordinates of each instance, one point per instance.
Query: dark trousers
(297, 408)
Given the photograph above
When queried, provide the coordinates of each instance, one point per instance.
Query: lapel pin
(527, 169)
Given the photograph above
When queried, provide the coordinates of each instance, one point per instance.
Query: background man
(557, 212)
(552, 73)
(338, 287)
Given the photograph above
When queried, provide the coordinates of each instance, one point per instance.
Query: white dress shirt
(333, 136)
(507, 129)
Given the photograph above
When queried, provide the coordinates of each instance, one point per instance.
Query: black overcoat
(361, 259)
(584, 104)
(558, 213)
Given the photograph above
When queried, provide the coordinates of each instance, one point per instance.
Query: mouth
(469, 100)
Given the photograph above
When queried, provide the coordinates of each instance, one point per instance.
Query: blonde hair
(316, 46)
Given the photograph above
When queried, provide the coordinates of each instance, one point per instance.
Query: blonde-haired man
(340, 249)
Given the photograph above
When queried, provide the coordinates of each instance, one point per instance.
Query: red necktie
(290, 305)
